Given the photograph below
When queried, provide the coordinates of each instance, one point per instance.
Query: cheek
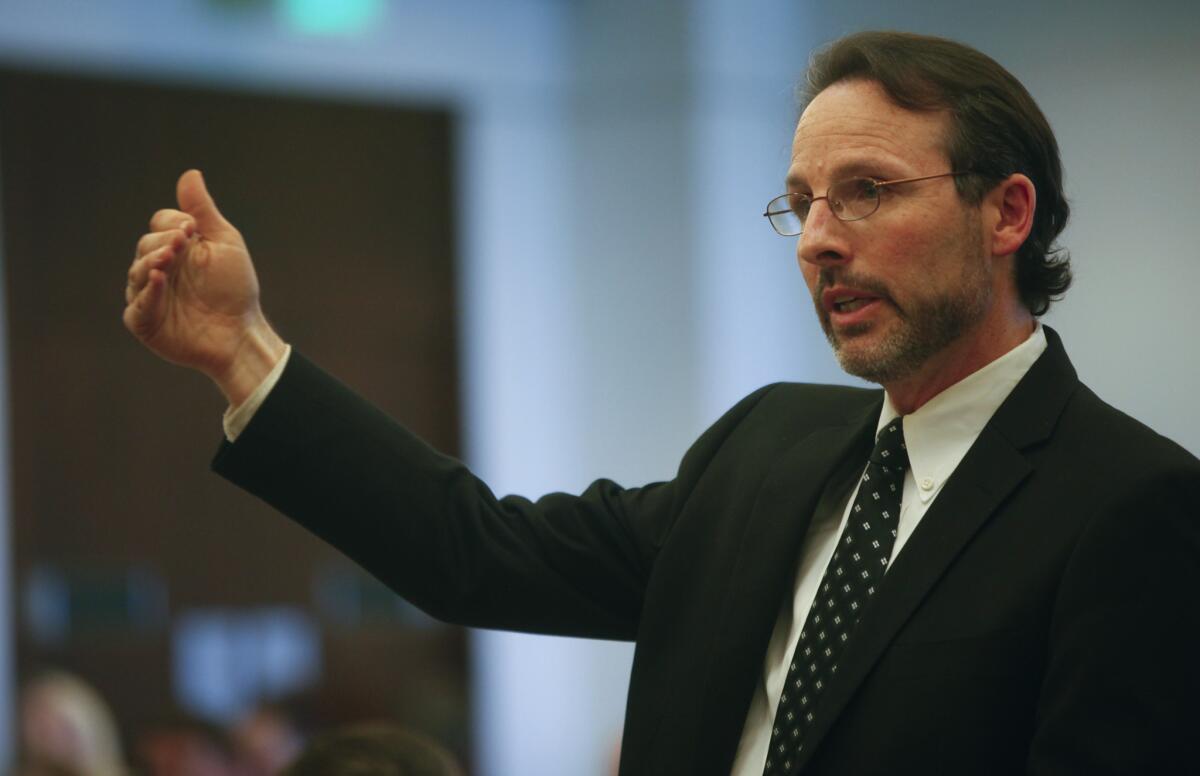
(904, 247)
(908, 252)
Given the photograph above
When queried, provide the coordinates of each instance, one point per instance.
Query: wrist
(257, 353)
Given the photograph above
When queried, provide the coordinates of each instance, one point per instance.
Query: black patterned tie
(855, 570)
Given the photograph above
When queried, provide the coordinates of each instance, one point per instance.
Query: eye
(800, 205)
(854, 198)
(860, 189)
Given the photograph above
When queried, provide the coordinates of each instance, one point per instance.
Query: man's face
(895, 289)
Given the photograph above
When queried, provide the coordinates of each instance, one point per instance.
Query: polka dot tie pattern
(855, 570)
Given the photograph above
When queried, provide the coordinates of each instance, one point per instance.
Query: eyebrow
(851, 168)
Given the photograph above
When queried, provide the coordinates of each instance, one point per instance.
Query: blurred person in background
(266, 740)
(374, 749)
(186, 746)
(65, 723)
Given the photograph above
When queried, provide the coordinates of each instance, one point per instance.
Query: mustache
(831, 276)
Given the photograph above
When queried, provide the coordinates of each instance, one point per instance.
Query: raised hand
(192, 296)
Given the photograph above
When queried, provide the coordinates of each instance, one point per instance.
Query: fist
(192, 295)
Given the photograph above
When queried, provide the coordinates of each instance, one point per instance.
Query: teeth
(850, 304)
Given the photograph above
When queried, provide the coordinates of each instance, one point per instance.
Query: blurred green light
(331, 17)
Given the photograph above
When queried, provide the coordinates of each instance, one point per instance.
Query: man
(981, 569)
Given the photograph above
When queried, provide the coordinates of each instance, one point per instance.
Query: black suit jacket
(1041, 618)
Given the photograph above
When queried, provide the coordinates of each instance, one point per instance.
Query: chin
(878, 359)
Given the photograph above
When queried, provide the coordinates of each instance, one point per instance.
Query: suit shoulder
(784, 410)
(807, 399)
(789, 411)
(1114, 439)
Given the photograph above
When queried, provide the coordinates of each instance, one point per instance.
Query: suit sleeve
(564, 564)
(1123, 676)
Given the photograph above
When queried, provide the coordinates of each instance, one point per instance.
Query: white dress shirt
(236, 418)
(937, 436)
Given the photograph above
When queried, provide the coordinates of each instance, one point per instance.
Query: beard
(924, 327)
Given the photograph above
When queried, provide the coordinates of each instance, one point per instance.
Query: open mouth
(852, 303)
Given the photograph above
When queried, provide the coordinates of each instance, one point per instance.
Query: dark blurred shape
(186, 746)
(36, 766)
(374, 749)
(112, 564)
(267, 740)
(80, 602)
(347, 597)
(67, 726)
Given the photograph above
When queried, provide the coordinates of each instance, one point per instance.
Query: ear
(1009, 208)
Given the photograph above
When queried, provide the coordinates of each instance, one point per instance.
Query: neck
(965, 356)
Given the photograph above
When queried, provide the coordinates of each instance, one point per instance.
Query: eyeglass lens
(849, 200)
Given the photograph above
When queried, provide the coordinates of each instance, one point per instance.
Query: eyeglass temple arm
(924, 178)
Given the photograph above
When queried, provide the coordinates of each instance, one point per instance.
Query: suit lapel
(991, 470)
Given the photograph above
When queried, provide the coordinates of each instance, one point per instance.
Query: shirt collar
(939, 434)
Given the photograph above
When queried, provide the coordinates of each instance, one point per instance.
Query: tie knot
(890, 452)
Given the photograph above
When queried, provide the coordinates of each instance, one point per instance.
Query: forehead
(854, 124)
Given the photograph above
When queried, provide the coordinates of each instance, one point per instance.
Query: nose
(825, 239)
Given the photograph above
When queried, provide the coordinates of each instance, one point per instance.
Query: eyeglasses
(849, 200)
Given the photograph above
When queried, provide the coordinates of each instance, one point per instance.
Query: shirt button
(927, 483)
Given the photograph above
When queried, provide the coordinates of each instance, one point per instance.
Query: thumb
(195, 200)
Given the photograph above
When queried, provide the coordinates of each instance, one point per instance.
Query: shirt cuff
(237, 418)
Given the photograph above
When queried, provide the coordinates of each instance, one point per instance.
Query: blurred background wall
(617, 286)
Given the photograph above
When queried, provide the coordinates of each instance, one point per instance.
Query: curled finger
(139, 271)
(169, 218)
(151, 241)
(144, 311)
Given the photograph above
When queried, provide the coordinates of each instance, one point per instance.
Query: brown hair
(374, 749)
(996, 130)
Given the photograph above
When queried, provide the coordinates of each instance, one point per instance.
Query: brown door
(120, 533)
